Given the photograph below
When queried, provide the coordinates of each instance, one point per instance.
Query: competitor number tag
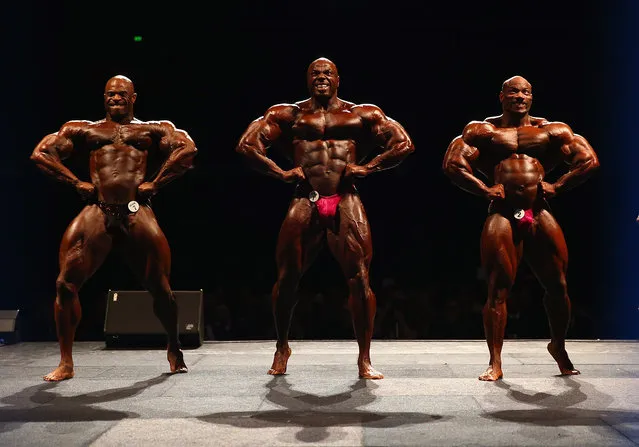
(133, 206)
(519, 214)
(313, 196)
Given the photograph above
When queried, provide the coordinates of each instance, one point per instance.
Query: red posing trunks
(523, 217)
(525, 221)
(327, 207)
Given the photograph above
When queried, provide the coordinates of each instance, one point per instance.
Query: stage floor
(430, 396)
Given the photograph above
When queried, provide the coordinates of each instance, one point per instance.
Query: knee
(160, 292)
(65, 290)
(288, 278)
(157, 284)
(359, 281)
(557, 288)
(498, 295)
(163, 300)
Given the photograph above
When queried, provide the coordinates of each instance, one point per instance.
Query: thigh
(84, 246)
(500, 252)
(300, 237)
(546, 250)
(352, 246)
(146, 248)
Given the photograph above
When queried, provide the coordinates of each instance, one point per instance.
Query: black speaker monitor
(130, 320)
(9, 327)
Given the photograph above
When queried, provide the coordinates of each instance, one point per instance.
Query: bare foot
(176, 361)
(280, 360)
(491, 374)
(561, 357)
(62, 372)
(366, 371)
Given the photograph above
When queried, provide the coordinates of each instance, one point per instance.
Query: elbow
(452, 170)
(183, 158)
(410, 148)
(448, 168)
(402, 148)
(190, 156)
(246, 150)
(590, 167)
(240, 149)
(37, 157)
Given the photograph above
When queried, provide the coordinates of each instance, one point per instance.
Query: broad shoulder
(538, 121)
(557, 129)
(75, 125)
(164, 124)
(479, 129)
(74, 128)
(366, 111)
(282, 111)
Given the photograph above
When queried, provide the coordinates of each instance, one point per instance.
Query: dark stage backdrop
(211, 70)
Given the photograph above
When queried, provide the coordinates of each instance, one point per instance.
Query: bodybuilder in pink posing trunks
(512, 152)
(326, 138)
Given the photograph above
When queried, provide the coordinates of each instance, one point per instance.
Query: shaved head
(322, 79)
(119, 97)
(121, 81)
(516, 96)
(322, 60)
(515, 80)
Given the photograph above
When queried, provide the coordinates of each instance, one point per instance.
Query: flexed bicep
(580, 153)
(459, 156)
(171, 138)
(178, 146)
(50, 152)
(387, 131)
(259, 135)
(179, 150)
(54, 145)
(462, 154)
(61, 144)
(263, 132)
(388, 134)
(581, 159)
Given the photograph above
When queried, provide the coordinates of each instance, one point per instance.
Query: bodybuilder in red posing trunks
(326, 138)
(513, 151)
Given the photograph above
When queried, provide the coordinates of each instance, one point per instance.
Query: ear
(338, 82)
(501, 96)
(133, 98)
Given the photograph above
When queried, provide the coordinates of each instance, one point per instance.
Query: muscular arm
(53, 149)
(180, 151)
(260, 135)
(580, 156)
(390, 134)
(461, 154)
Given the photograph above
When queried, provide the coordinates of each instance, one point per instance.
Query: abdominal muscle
(323, 162)
(117, 172)
(520, 178)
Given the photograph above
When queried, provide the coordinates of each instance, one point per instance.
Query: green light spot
(137, 38)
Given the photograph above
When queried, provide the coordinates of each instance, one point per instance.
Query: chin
(117, 114)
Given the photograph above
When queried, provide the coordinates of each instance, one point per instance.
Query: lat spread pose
(326, 138)
(118, 215)
(514, 151)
